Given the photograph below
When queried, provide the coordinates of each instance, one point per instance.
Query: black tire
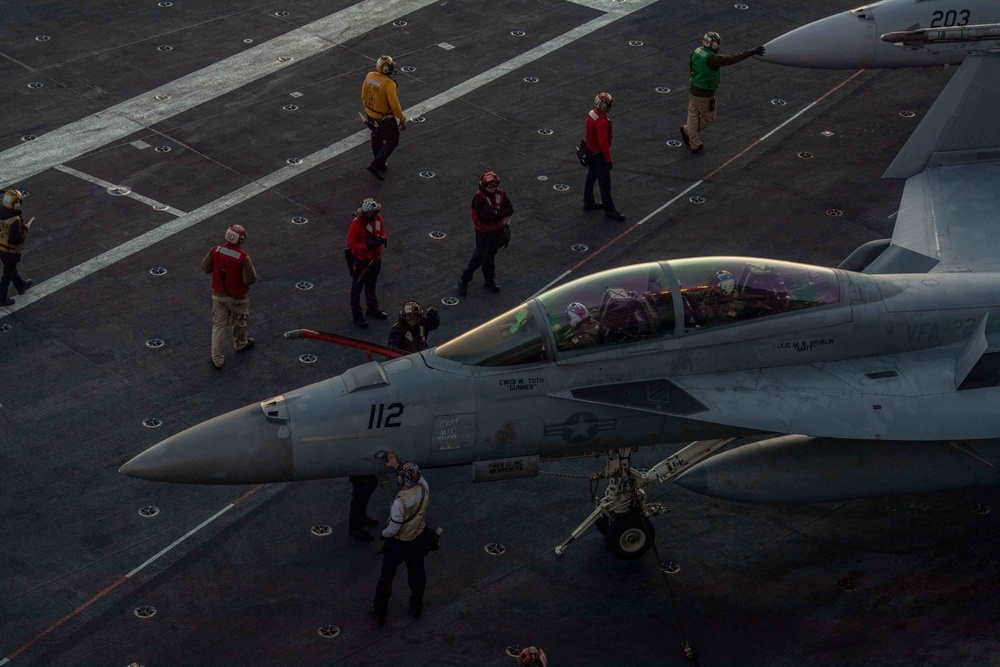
(630, 535)
(602, 525)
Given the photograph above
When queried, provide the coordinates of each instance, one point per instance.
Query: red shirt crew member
(598, 140)
(232, 274)
(490, 209)
(365, 240)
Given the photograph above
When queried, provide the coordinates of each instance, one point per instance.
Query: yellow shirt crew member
(380, 97)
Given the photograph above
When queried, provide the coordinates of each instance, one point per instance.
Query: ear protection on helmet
(533, 657)
(369, 207)
(12, 199)
(603, 101)
(236, 234)
(410, 308)
(489, 178)
(385, 65)
(408, 474)
(710, 37)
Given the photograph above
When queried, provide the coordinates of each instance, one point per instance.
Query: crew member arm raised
(716, 61)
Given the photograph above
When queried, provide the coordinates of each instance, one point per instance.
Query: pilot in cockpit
(719, 303)
(582, 329)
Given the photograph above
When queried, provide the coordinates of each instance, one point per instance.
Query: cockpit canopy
(644, 302)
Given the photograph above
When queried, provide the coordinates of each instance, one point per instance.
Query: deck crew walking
(380, 96)
(233, 273)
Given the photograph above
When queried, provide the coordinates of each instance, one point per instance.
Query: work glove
(609, 166)
(402, 124)
(757, 51)
(432, 320)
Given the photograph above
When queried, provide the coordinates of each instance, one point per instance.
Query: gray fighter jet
(879, 376)
(893, 33)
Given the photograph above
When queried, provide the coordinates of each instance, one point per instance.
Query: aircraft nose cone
(842, 41)
(239, 447)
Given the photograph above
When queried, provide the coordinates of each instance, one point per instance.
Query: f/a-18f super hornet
(880, 376)
(892, 33)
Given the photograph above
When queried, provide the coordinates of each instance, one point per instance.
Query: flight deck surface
(140, 131)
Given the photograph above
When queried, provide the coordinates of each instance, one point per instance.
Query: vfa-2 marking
(392, 415)
(936, 332)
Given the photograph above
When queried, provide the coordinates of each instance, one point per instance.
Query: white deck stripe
(804, 109)
(168, 229)
(683, 192)
(90, 133)
(104, 184)
(182, 538)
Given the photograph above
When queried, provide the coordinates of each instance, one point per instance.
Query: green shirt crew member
(706, 64)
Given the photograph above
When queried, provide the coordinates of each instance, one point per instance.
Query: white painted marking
(140, 144)
(4, 661)
(804, 109)
(684, 192)
(182, 538)
(446, 46)
(296, 94)
(104, 184)
(78, 138)
(56, 283)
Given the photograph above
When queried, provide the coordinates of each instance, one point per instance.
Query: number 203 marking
(950, 18)
(394, 412)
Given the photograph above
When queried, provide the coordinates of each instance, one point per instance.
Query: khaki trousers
(701, 114)
(228, 312)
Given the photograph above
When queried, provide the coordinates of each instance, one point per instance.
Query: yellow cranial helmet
(12, 199)
(386, 65)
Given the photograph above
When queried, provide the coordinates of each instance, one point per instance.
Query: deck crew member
(409, 333)
(598, 138)
(705, 64)
(490, 209)
(379, 95)
(13, 232)
(233, 273)
(403, 539)
(365, 240)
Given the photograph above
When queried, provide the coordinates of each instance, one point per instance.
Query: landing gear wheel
(602, 525)
(630, 535)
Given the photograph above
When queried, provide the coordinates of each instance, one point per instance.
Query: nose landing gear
(622, 514)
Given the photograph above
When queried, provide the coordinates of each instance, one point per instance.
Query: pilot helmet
(408, 474)
(411, 312)
(533, 657)
(724, 279)
(12, 199)
(577, 312)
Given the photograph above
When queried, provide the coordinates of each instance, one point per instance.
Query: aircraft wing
(949, 216)
(934, 394)
(941, 393)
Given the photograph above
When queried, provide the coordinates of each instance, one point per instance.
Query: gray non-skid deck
(901, 581)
